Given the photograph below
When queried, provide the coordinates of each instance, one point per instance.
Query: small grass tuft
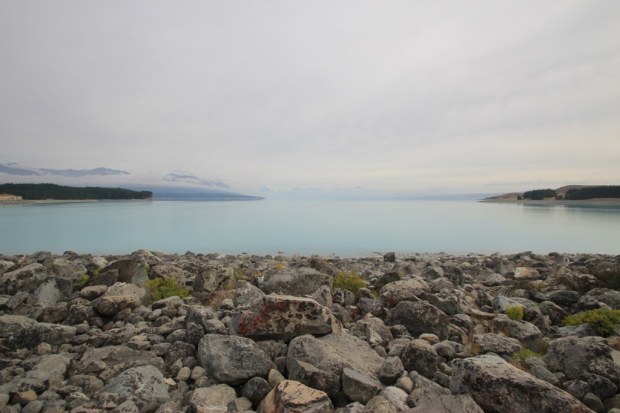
(515, 312)
(602, 320)
(83, 280)
(350, 281)
(524, 354)
(165, 287)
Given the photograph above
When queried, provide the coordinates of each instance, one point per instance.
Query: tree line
(589, 192)
(53, 191)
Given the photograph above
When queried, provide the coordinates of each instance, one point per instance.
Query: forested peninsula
(36, 192)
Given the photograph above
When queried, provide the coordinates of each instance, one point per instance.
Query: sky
(326, 96)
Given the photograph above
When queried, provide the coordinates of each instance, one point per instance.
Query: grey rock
(594, 402)
(132, 270)
(334, 352)
(497, 386)
(526, 333)
(34, 406)
(213, 399)
(247, 295)
(359, 387)
(379, 405)
(420, 356)
(142, 385)
(107, 362)
(396, 397)
(420, 317)
(500, 345)
(314, 377)
(404, 290)
(118, 297)
(232, 359)
(256, 389)
(446, 403)
(576, 356)
(33, 335)
(391, 370)
(295, 281)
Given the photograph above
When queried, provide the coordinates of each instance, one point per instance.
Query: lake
(345, 228)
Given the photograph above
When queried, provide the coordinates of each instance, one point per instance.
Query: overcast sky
(405, 96)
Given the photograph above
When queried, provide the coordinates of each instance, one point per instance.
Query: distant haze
(264, 97)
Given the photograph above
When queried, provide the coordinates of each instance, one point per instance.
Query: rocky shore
(425, 333)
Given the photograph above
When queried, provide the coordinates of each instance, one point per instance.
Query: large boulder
(359, 387)
(446, 403)
(494, 343)
(143, 385)
(420, 356)
(35, 333)
(420, 317)
(334, 352)
(107, 362)
(404, 290)
(577, 357)
(295, 281)
(232, 359)
(294, 397)
(499, 387)
(118, 297)
(283, 317)
(133, 270)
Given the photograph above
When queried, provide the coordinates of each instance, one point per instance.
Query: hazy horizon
(334, 97)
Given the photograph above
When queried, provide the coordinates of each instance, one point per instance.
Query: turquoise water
(346, 228)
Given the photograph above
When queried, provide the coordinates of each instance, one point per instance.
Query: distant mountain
(188, 193)
(71, 173)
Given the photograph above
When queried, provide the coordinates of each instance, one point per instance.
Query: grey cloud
(14, 170)
(191, 179)
(79, 173)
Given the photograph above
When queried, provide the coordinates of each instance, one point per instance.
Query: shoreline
(594, 201)
(402, 328)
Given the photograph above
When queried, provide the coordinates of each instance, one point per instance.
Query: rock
(404, 290)
(334, 352)
(118, 297)
(379, 405)
(10, 325)
(497, 386)
(420, 356)
(396, 397)
(391, 370)
(48, 293)
(594, 402)
(500, 345)
(316, 378)
(564, 298)
(213, 399)
(232, 359)
(420, 317)
(133, 271)
(555, 313)
(526, 333)
(295, 281)
(575, 357)
(142, 385)
(526, 273)
(256, 389)
(446, 403)
(107, 362)
(33, 335)
(283, 317)
(359, 387)
(247, 295)
(294, 397)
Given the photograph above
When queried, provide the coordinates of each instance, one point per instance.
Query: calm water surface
(348, 228)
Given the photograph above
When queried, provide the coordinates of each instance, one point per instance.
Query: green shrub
(83, 280)
(602, 320)
(164, 288)
(348, 280)
(515, 312)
